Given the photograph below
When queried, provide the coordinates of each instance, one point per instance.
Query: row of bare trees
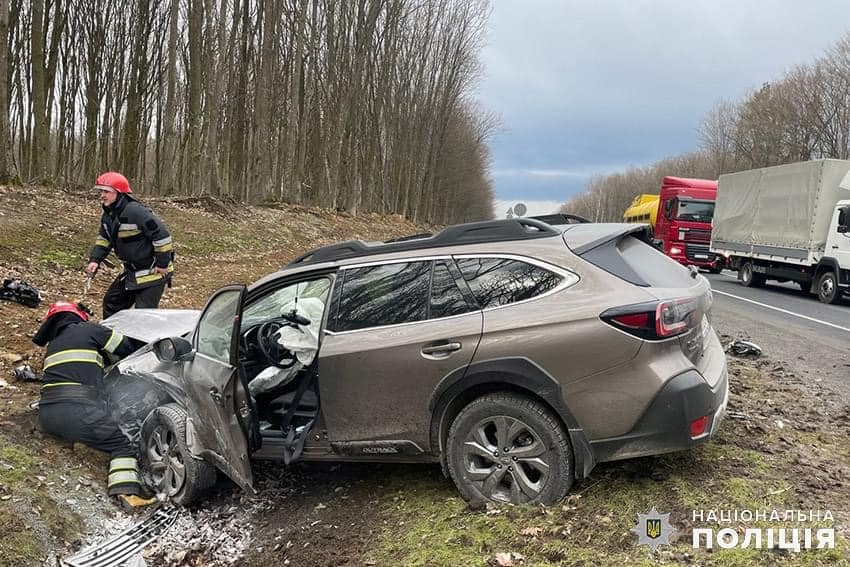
(363, 105)
(803, 116)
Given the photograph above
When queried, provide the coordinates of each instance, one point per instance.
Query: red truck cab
(683, 225)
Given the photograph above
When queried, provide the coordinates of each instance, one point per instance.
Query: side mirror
(843, 219)
(173, 349)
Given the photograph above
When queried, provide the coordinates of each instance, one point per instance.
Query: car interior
(278, 346)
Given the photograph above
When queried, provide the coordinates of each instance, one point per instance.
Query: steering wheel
(274, 353)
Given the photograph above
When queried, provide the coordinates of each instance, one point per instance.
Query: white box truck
(787, 223)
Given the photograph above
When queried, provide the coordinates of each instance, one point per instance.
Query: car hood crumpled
(148, 325)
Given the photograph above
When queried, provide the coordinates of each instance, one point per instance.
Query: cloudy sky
(586, 88)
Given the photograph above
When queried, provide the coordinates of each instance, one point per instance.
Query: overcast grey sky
(587, 88)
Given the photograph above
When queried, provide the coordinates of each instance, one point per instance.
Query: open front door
(213, 388)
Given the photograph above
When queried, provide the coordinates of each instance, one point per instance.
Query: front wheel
(170, 467)
(507, 447)
(828, 290)
(749, 277)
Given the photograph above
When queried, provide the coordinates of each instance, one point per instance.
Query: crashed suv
(516, 353)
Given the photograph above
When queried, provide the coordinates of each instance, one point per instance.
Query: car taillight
(654, 320)
(698, 426)
(671, 317)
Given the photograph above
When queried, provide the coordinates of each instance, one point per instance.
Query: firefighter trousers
(84, 420)
(118, 297)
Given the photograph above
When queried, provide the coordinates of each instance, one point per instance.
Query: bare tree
(5, 131)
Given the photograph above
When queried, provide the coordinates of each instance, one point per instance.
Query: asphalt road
(805, 336)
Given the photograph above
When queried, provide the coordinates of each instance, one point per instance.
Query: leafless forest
(804, 115)
(361, 105)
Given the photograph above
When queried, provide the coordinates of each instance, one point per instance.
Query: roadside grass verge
(765, 457)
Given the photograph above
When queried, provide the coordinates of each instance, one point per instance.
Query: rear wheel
(171, 469)
(749, 277)
(506, 447)
(828, 290)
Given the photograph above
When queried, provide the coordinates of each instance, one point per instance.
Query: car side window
(215, 329)
(446, 297)
(499, 281)
(389, 294)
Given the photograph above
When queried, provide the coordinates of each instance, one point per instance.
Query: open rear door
(215, 393)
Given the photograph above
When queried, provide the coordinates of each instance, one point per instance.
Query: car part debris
(21, 292)
(740, 347)
(25, 373)
(122, 547)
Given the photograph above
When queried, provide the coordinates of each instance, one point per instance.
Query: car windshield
(702, 211)
(283, 300)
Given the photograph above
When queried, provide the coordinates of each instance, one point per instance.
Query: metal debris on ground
(25, 373)
(740, 347)
(125, 546)
(217, 535)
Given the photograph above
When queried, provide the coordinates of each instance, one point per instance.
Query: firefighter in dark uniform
(71, 405)
(140, 240)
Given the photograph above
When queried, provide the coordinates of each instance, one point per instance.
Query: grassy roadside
(781, 448)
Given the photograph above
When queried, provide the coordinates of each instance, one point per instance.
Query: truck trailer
(787, 223)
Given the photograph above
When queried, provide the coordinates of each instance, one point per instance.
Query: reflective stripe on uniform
(128, 230)
(122, 477)
(114, 340)
(163, 245)
(52, 384)
(123, 464)
(73, 355)
(145, 276)
(101, 242)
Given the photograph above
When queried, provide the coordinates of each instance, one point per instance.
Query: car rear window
(637, 262)
(499, 281)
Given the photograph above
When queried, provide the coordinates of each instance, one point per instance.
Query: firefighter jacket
(139, 238)
(79, 351)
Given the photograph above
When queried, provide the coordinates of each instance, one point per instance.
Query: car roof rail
(469, 233)
(560, 218)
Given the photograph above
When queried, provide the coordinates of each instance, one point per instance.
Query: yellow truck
(643, 209)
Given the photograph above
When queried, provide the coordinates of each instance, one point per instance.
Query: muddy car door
(396, 331)
(217, 405)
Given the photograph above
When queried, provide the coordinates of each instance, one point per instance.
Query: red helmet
(112, 181)
(64, 306)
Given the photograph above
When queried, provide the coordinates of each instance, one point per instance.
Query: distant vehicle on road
(788, 223)
(680, 216)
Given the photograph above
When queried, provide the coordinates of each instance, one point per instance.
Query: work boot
(123, 477)
(130, 502)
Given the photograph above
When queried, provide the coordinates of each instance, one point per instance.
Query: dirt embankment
(51, 493)
(783, 445)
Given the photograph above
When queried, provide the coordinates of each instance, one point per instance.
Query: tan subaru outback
(517, 353)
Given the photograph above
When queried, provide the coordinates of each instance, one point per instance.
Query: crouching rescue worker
(140, 240)
(72, 405)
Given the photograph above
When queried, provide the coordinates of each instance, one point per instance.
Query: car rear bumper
(666, 424)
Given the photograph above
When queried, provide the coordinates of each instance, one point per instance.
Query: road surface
(805, 336)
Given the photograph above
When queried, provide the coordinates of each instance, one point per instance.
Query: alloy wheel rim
(506, 460)
(165, 461)
(826, 287)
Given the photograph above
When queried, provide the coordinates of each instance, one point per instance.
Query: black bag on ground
(21, 292)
